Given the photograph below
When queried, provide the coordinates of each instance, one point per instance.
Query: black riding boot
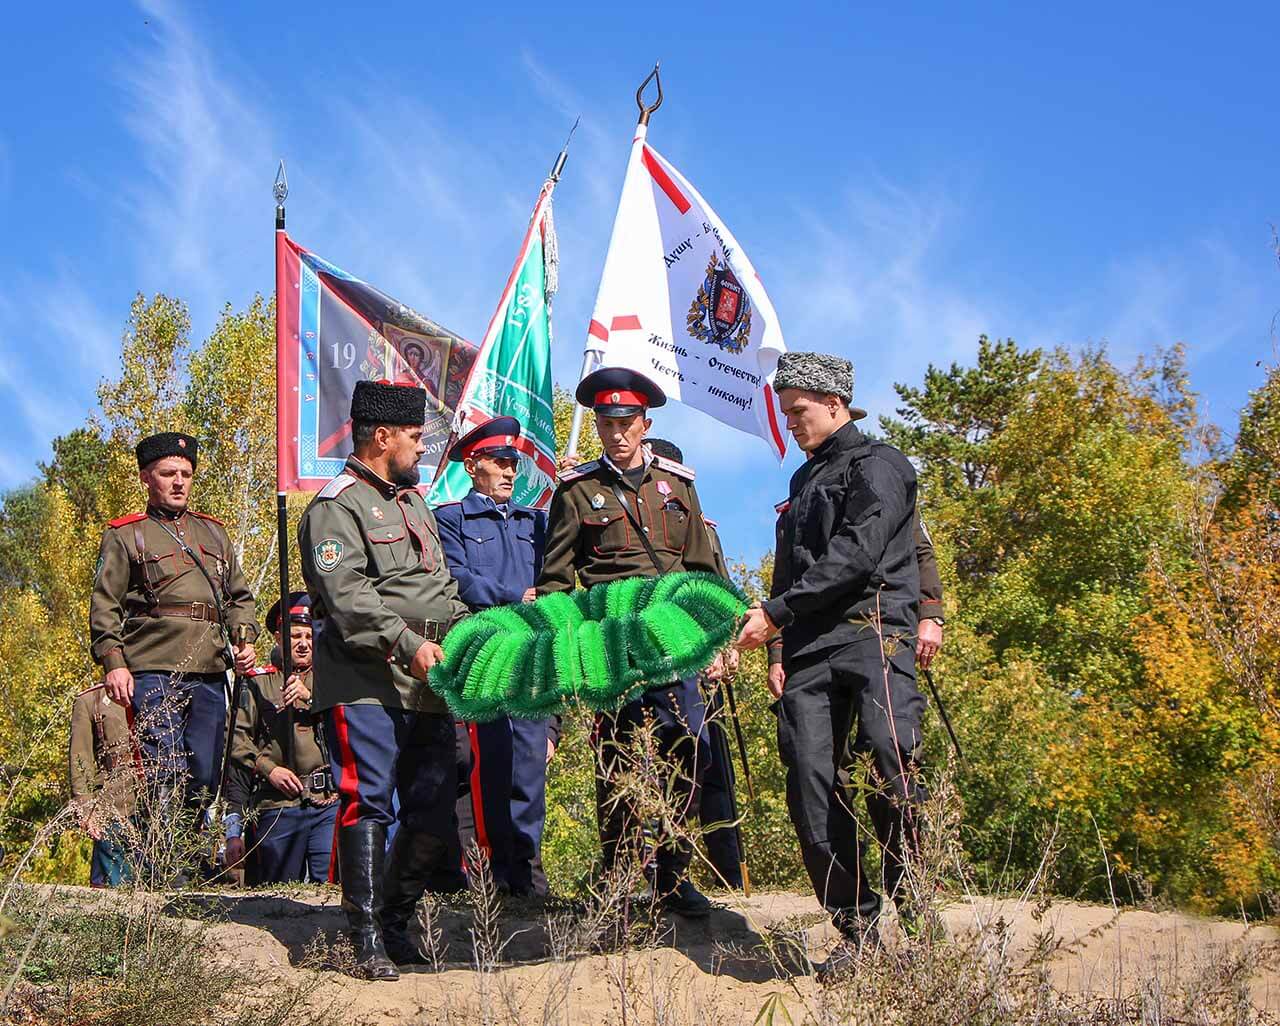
(415, 857)
(361, 854)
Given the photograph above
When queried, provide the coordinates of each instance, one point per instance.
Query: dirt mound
(720, 970)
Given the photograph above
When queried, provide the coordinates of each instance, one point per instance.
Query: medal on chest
(376, 513)
(597, 501)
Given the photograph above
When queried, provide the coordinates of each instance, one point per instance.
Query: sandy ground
(701, 973)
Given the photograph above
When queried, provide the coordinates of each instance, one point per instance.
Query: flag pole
(548, 187)
(589, 357)
(281, 192)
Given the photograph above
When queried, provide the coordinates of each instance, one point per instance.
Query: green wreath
(602, 645)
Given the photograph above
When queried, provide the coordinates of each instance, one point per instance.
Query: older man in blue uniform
(494, 550)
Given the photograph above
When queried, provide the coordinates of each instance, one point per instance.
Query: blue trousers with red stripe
(376, 752)
(292, 840)
(509, 798)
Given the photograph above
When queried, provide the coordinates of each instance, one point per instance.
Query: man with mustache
(168, 592)
(494, 548)
(382, 599)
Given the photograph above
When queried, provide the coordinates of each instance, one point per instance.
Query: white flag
(680, 302)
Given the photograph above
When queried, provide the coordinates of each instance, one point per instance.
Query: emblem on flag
(721, 311)
(328, 554)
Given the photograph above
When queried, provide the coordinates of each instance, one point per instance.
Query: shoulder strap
(635, 522)
(140, 543)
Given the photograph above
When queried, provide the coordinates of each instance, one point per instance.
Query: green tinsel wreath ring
(601, 645)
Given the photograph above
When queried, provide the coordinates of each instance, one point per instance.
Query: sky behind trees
(903, 181)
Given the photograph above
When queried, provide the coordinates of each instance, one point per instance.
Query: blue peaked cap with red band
(299, 611)
(495, 438)
(619, 392)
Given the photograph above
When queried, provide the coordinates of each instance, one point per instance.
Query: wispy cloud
(204, 151)
(55, 345)
(867, 277)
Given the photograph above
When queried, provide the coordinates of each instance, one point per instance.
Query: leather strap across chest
(640, 529)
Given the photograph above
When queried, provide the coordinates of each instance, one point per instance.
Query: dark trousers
(827, 695)
(181, 722)
(509, 799)
(109, 867)
(717, 803)
(676, 712)
(293, 839)
(376, 752)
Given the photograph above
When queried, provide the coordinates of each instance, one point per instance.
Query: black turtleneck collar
(842, 438)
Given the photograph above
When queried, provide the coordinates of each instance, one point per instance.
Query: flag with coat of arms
(680, 301)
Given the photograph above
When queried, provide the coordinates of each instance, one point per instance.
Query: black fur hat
(380, 402)
(167, 443)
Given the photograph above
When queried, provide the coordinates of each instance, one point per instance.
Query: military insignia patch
(597, 501)
(721, 311)
(377, 513)
(328, 554)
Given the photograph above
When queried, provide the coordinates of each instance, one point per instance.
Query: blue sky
(903, 179)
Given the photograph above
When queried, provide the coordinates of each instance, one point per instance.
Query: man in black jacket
(844, 595)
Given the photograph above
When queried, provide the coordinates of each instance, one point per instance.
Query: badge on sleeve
(597, 501)
(328, 554)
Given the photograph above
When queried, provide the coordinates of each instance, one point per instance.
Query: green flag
(511, 376)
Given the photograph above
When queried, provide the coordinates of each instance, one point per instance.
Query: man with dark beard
(382, 599)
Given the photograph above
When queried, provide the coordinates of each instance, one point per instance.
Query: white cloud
(200, 202)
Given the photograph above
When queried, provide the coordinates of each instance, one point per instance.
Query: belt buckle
(199, 610)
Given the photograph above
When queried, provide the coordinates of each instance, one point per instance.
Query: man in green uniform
(294, 804)
(717, 804)
(633, 514)
(382, 599)
(167, 595)
(103, 782)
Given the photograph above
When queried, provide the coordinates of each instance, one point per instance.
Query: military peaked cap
(667, 450)
(496, 438)
(619, 392)
(299, 611)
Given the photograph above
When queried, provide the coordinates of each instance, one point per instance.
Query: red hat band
(621, 397)
(492, 442)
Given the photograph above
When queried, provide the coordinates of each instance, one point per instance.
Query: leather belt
(191, 610)
(317, 788)
(432, 630)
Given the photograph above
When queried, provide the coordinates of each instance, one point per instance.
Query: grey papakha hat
(815, 372)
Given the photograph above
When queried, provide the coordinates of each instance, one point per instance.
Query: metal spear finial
(646, 111)
(564, 153)
(281, 189)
